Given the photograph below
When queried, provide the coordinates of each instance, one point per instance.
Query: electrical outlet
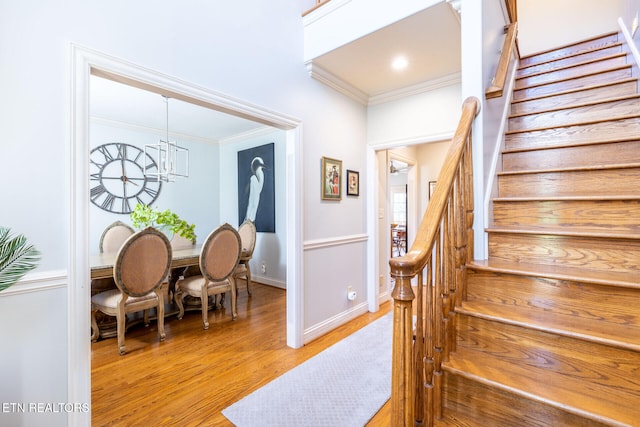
(351, 294)
(263, 267)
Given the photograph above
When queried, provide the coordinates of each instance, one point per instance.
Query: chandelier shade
(172, 159)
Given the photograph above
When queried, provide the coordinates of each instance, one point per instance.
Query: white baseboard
(269, 281)
(330, 324)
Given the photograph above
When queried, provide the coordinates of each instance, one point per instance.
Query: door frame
(83, 63)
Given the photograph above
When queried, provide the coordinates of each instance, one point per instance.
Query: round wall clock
(117, 177)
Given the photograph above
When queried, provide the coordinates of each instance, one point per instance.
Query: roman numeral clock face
(118, 181)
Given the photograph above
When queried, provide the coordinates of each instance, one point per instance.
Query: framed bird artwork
(256, 192)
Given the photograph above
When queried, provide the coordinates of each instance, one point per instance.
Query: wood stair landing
(548, 332)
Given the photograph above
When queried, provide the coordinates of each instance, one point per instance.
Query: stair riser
(581, 47)
(580, 303)
(569, 116)
(589, 253)
(533, 354)
(618, 153)
(495, 407)
(571, 183)
(588, 56)
(570, 73)
(550, 88)
(613, 216)
(579, 134)
(573, 98)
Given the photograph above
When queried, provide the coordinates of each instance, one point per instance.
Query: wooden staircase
(548, 332)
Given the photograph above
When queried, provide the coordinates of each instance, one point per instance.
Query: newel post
(402, 373)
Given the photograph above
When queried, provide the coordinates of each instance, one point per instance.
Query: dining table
(102, 264)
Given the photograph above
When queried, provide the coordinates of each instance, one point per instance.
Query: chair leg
(177, 298)
(160, 311)
(95, 330)
(121, 318)
(204, 303)
(248, 279)
(234, 303)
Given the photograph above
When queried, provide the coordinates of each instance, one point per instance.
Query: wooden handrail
(438, 255)
(498, 82)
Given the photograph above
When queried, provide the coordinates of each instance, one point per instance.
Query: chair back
(114, 236)
(220, 253)
(143, 262)
(179, 242)
(247, 233)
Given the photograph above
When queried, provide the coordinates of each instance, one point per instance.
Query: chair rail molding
(38, 281)
(335, 241)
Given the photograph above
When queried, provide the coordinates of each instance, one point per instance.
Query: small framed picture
(353, 183)
(432, 187)
(331, 179)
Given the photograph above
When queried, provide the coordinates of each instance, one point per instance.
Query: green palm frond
(17, 258)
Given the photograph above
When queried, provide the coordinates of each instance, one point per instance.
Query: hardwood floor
(192, 376)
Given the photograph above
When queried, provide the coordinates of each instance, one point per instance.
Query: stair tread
(578, 105)
(566, 198)
(571, 169)
(622, 336)
(568, 66)
(569, 45)
(536, 372)
(577, 232)
(594, 50)
(577, 123)
(601, 141)
(574, 90)
(585, 74)
(612, 278)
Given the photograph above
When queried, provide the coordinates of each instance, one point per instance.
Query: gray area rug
(343, 386)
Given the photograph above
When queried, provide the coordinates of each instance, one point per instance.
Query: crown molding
(324, 76)
(254, 133)
(427, 86)
(151, 130)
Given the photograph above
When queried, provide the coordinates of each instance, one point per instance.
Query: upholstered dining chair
(114, 236)
(219, 258)
(141, 267)
(111, 240)
(247, 231)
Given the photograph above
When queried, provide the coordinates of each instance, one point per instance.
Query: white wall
(546, 24)
(250, 50)
(415, 119)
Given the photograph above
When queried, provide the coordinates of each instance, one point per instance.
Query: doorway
(87, 62)
(397, 207)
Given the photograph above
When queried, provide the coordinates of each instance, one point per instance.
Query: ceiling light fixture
(172, 160)
(400, 63)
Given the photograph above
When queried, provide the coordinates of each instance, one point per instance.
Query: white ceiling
(117, 102)
(429, 39)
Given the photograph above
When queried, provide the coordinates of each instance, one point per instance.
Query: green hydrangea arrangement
(146, 216)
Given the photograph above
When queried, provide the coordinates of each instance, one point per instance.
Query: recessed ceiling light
(400, 63)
